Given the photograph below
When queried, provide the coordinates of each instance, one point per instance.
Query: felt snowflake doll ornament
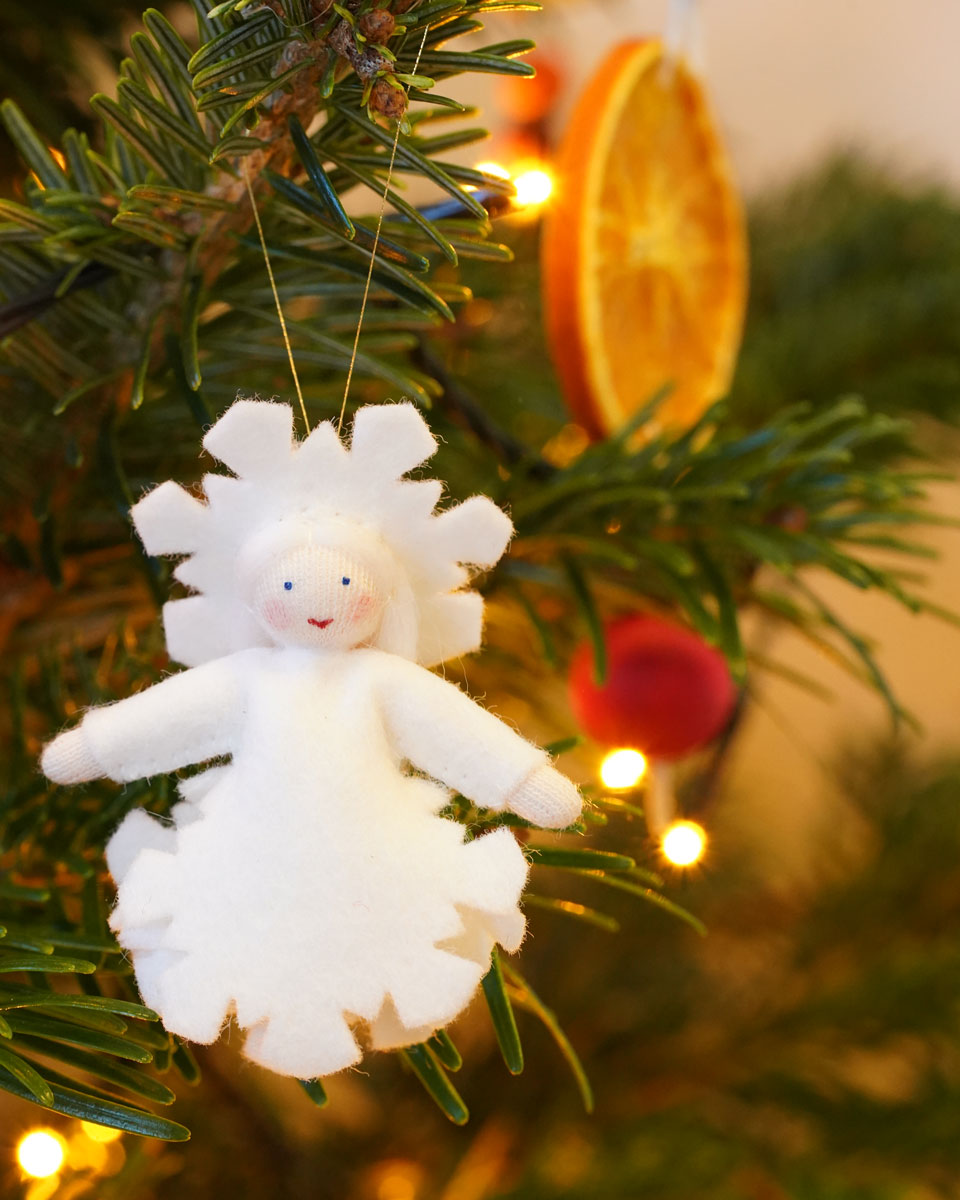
(309, 886)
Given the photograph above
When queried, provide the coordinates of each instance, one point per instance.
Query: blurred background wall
(794, 79)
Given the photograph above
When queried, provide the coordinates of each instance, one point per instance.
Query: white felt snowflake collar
(281, 482)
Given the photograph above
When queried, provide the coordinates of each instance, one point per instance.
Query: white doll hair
(398, 633)
(352, 498)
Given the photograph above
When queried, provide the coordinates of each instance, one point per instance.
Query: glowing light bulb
(623, 769)
(533, 187)
(684, 843)
(41, 1153)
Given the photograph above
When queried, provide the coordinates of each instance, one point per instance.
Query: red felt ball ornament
(666, 692)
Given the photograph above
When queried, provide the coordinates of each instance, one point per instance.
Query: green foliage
(48, 1034)
(808, 1048)
(854, 278)
(137, 305)
(162, 207)
(686, 520)
(49, 65)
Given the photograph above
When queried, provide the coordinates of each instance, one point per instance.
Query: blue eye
(288, 586)
(345, 580)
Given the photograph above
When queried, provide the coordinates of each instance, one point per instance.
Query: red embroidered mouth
(320, 624)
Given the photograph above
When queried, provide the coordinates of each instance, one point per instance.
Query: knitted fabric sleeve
(69, 759)
(546, 798)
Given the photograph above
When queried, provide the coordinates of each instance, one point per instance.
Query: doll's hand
(546, 798)
(67, 759)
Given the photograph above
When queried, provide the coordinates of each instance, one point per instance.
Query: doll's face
(317, 596)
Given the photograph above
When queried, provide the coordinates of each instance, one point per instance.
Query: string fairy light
(41, 1153)
(532, 181)
(684, 843)
(622, 769)
(534, 187)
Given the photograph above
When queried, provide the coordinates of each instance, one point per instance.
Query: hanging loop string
(683, 33)
(276, 296)
(376, 243)
(366, 289)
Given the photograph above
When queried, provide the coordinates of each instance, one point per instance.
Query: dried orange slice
(644, 250)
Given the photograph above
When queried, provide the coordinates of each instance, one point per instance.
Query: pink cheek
(360, 608)
(275, 614)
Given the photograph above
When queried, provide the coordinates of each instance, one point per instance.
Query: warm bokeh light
(533, 187)
(534, 184)
(40, 1153)
(684, 843)
(100, 1133)
(623, 769)
(493, 168)
(396, 1179)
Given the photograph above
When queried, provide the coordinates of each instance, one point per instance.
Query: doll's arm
(441, 731)
(187, 718)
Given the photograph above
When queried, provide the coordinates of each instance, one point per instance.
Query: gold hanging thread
(276, 296)
(376, 243)
(366, 288)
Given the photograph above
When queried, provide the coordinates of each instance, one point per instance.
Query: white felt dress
(310, 884)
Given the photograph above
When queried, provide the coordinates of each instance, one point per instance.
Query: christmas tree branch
(161, 206)
(137, 305)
